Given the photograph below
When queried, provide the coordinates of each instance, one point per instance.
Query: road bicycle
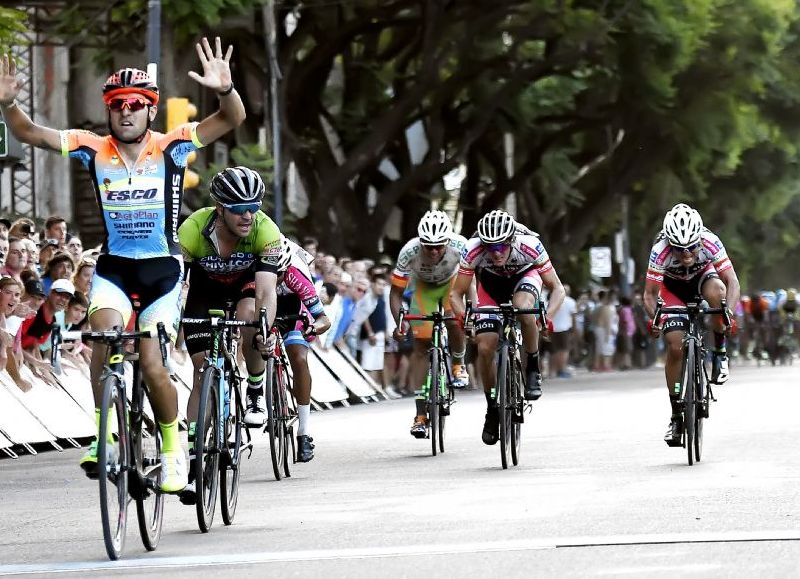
(438, 389)
(509, 388)
(129, 440)
(694, 389)
(281, 405)
(221, 436)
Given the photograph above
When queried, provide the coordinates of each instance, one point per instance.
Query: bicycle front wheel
(701, 408)
(503, 386)
(516, 403)
(689, 407)
(231, 459)
(113, 461)
(146, 444)
(206, 449)
(275, 425)
(433, 401)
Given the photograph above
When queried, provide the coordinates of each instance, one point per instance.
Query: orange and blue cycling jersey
(140, 204)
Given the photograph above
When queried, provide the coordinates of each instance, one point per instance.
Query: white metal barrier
(66, 412)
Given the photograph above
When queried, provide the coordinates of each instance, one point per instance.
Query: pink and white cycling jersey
(410, 262)
(664, 262)
(527, 252)
(298, 281)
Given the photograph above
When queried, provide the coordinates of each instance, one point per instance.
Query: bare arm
(650, 297)
(457, 293)
(266, 296)
(732, 289)
(19, 123)
(217, 77)
(396, 301)
(557, 293)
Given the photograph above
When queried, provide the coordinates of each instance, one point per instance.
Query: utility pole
(153, 38)
(271, 40)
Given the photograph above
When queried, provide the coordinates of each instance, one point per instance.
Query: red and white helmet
(130, 80)
(496, 227)
(683, 226)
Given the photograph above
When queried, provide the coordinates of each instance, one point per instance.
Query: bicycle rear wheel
(275, 425)
(516, 403)
(113, 461)
(689, 407)
(286, 416)
(433, 401)
(701, 409)
(146, 444)
(231, 459)
(206, 449)
(503, 390)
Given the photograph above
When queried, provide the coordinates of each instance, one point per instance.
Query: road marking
(225, 560)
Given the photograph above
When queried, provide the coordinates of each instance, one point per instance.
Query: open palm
(216, 67)
(9, 85)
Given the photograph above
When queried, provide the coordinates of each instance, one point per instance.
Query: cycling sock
(719, 342)
(421, 409)
(190, 435)
(458, 357)
(533, 361)
(303, 414)
(489, 399)
(171, 438)
(675, 403)
(254, 383)
(110, 429)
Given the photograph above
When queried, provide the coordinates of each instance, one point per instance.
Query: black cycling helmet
(237, 185)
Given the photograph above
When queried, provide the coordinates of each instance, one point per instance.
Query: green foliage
(13, 23)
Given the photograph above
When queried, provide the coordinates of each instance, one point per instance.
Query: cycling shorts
(292, 333)
(494, 290)
(157, 281)
(678, 292)
(207, 294)
(425, 300)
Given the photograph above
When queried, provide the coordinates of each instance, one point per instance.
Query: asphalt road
(597, 494)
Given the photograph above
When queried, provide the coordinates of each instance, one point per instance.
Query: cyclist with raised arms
(511, 265)
(232, 250)
(688, 263)
(297, 294)
(138, 179)
(429, 264)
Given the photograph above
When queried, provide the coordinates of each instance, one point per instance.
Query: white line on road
(223, 560)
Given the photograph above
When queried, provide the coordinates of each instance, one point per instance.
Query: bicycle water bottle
(223, 383)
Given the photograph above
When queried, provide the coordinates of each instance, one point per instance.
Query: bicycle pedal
(517, 418)
(674, 443)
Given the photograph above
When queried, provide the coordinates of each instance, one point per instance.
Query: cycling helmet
(434, 228)
(130, 80)
(237, 185)
(682, 226)
(286, 255)
(496, 227)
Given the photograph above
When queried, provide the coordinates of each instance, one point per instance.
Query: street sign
(600, 261)
(3, 139)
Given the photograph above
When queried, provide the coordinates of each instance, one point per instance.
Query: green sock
(170, 437)
(111, 421)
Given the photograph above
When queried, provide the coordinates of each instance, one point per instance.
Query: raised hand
(9, 85)
(216, 67)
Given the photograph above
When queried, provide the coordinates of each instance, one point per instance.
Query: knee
(485, 349)
(714, 290)
(674, 349)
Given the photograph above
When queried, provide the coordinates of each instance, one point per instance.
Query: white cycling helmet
(682, 226)
(286, 255)
(434, 228)
(496, 227)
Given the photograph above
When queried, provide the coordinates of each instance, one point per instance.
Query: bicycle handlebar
(504, 310)
(264, 332)
(690, 309)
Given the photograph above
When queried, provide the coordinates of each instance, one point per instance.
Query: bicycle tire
(274, 426)
(288, 430)
(445, 397)
(689, 407)
(503, 388)
(230, 468)
(146, 444)
(113, 474)
(516, 403)
(433, 401)
(701, 406)
(206, 451)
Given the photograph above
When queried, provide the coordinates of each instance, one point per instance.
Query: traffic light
(179, 112)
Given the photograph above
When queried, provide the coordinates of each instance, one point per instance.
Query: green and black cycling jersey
(259, 251)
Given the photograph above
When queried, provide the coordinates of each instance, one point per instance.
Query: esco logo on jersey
(135, 194)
